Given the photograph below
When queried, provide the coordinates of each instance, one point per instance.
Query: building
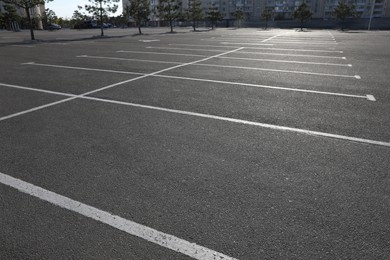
(282, 9)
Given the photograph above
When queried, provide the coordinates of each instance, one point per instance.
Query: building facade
(282, 9)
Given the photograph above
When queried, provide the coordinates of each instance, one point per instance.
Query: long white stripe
(82, 68)
(232, 58)
(162, 53)
(127, 59)
(110, 86)
(284, 71)
(316, 43)
(247, 52)
(223, 66)
(271, 38)
(245, 122)
(149, 234)
(368, 96)
(256, 44)
(290, 61)
(254, 48)
(38, 90)
(184, 49)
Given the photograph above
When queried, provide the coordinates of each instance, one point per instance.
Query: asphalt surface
(255, 144)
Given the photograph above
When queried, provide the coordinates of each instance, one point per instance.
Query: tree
(48, 17)
(343, 10)
(302, 13)
(239, 16)
(8, 17)
(195, 12)
(266, 15)
(100, 8)
(214, 15)
(169, 10)
(26, 5)
(139, 10)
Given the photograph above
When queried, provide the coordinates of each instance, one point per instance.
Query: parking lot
(223, 144)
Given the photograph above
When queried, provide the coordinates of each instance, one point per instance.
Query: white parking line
(245, 122)
(184, 49)
(226, 66)
(110, 86)
(127, 59)
(368, 96)
(253, 52)
(290, 61)
(81, 68)
(38, 90)
(276, 70)
(308, 42)
(293, 55)
(236, 58)
(273, 37)
(149, 234)
(254, 48)
(233, 120)
(24, 46)
(162, 53)
(255, 44)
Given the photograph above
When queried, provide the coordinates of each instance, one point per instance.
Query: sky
(65, 8)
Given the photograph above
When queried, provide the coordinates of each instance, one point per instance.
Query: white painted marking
(24, 46)
(254, 48)
(223, 66)
(259, 44)
(82, 68)
(36, 109)
(149, 234)
(245, 122)
(273, 37)
(184, 49)
(290, 61)
(126, 59)
(371, 98)
(265, 86)
(149, 40)
(205, 80)
(110, 86)
(283, 71)
(162, 53)
(275, 127)
(254, 44)
(38, 90)
(247, 52)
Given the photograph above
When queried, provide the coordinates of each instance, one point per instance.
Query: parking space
(227, 144)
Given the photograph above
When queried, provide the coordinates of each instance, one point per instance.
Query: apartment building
(324, 8)
(283, 9)
(35, 12)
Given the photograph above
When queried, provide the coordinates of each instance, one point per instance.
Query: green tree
(26, 5)
(239, 16)
(169, 10)
(344, 10)
(100, 9)
(214, 15)
(9, 16)
(303, 13)
(195, 12)
(266, 15)
(139, 10)
(48, 17)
